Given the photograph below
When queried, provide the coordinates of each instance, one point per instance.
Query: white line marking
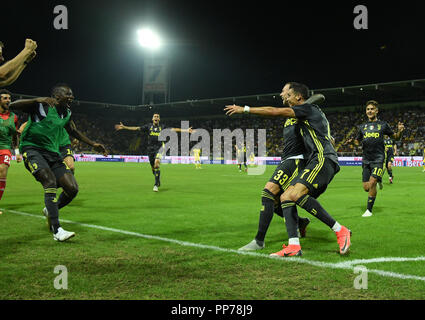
(347, 265)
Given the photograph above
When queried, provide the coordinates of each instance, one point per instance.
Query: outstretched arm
(123, 127)
(15, 143)
(272, 111)
(11, 70)
(73, 131)
(26, 105)
(397, 135)
(182, 130)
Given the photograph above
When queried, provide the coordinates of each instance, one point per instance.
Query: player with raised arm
(292, 162)
(11, 70)
(40, 148)
(154, 145)
(321, 165)
(8, 137)
(371, 134)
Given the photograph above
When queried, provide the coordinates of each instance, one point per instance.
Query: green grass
(218, 207)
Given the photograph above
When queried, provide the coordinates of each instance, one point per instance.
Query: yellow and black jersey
(316, 132)
(389, 146)
(153, 132)
(372, 136)
(293, 144)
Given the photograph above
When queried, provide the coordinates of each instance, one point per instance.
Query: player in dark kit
(292, 162)
(40, 148)
(241, 156)
(371, 134)
(321, 166)
(154, 144)
(390, 151)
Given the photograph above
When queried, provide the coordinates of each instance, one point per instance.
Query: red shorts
(5, 157)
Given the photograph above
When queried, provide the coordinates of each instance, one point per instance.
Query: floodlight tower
(155, 86)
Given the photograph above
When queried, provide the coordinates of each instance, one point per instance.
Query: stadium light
(148, 39)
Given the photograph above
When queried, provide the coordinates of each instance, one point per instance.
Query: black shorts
(372, 169)
(66, 151)
(286, 172)
(390, 157)
(317, 175)
(36, 159)
(153, 155)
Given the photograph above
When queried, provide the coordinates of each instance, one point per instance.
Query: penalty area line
(347, 265)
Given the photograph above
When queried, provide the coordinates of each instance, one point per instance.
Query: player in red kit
(8, 137)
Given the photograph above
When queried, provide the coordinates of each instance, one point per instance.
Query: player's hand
(47, 100)
(32, 56)
(100, 148)
(400, 127)
(230, 110)
(18, 158)
(30, 45)
(119, 126)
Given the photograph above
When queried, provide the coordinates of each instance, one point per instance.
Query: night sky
(217, 48)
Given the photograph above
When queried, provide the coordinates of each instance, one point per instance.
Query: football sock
(157, 176)
(52, 207)
(295, 241)
(336, 227)
(266, 214)
(390, 173)
(290, 214)
(2, 187)
(370, 203)
(239, 166)
(313, 207)
(65, 199)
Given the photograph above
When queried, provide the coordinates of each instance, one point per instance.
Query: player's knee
(294, 196)
(46, 178)
(72, 190)
(272, 187)
(3, 171)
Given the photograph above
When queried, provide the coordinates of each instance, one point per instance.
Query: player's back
(316, 133)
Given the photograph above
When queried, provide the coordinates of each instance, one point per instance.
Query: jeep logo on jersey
(371, 135)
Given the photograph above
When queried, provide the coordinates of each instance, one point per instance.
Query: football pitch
(181, 243)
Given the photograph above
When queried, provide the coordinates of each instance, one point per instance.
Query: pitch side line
(348, 265)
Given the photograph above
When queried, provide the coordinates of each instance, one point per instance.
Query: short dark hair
(373, 103)
(5, 91)
(299, 88)
(57, 86)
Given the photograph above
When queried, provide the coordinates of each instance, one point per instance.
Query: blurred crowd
(343, 126)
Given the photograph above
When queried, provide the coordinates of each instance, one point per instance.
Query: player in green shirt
(40, 141)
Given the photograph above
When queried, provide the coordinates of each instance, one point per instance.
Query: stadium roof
(391, 92)
(384, 93)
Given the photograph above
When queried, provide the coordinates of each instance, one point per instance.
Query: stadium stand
(400, 101)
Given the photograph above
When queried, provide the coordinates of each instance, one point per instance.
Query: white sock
(336, 227)
(294, 241)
